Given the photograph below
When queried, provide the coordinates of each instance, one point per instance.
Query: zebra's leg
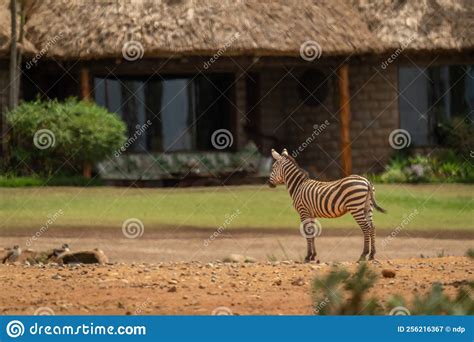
(313, 251)
(372, 234)
(361, 220)
(372, 243)
(309, 251)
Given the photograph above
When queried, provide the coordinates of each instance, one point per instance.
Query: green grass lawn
(439, 206)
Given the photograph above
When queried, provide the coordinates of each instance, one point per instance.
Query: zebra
(314, 199)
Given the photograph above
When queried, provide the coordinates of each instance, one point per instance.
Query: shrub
(443, 166)
(340, 293)
(48, 135)
(436, 302)
(457, 134)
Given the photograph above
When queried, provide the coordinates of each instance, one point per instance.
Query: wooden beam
(344, 97)
(85, 84)
(86, 96)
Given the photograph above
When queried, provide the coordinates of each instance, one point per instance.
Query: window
(432, 95)
(184, 110)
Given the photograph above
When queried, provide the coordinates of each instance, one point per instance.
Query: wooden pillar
(86, 96)
(344, 97)
(85, 84)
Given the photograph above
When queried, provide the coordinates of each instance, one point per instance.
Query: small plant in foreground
(342, 293)
(470, 253)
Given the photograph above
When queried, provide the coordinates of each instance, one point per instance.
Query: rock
(172, 289)
(234, 258)
(277, 282)
(250, 259)
(239, 258)
(386, 273)
(298, 282)
(95, 256)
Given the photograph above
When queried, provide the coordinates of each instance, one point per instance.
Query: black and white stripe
(314, 199)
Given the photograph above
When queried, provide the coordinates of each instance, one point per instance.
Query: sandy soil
(264, 245)
(200, 288)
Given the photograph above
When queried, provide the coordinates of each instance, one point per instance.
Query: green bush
(48, 135)
(436, 302)
(342, 293)
(443, 166)
(458, 134)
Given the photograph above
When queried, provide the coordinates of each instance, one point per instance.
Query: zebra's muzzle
(271, 185)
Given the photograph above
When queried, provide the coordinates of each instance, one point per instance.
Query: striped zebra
(313, 199)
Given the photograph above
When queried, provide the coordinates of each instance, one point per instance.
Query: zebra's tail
(372, 198)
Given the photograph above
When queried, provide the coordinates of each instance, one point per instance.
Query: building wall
(4, 89)
(374, 110)
(374, 114)
(4, 80)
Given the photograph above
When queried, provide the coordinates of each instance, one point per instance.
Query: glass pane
(414, 104)
(177, 116)
(183, 111)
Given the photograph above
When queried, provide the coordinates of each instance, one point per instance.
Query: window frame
(233, 127)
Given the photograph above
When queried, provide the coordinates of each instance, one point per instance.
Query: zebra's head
(276, 176)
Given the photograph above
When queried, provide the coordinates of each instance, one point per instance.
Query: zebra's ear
(285, 152)
(275, 154)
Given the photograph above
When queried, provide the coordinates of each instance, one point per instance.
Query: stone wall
(374, 109)
(312, 134)
(4, 81)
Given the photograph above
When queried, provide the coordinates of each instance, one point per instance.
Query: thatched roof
(420, 25)
(5, 31)
(93, 29)
(100, 28)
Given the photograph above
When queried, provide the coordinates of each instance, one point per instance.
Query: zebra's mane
(301, 170)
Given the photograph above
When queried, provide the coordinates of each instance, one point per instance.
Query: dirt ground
(169, 272)
(263, 245)
(199, 288)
